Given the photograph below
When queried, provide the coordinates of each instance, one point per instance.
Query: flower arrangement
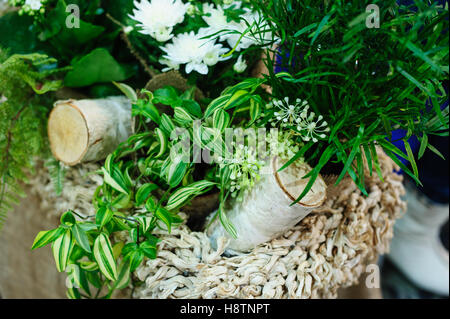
(321, 88)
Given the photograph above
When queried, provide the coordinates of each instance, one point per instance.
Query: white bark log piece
(88, 130)
(266, 213)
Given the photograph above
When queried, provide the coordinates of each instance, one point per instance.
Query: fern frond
(10, 195)
(56, 171)
(24, 106)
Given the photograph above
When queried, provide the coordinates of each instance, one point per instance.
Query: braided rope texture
(327, 250)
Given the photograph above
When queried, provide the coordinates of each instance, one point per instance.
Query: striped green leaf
(182, 116)
(255, 108)
(144, 192)
(163, 143)
(123, 275)
(135, 258)
(217, 104)
(62, 247)
(67, 218)
(89, 265)
(117, 182)
(148, 248)
(145, 222)
(165, 216)
(226, 223)
(236, 99)
(103, 216)
(150, 204)
(73, 293)
(81, 238)
(127, 91)
(46, 237)
(221, 119)
(121, 201)
(166, 125)
(184, 194)
(247, 84)
(117, 249)
(146, 109)
(175, 172)
(103, 254)
(78, 277)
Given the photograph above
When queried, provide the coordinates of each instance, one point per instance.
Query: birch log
(266, 212)
(88, 130)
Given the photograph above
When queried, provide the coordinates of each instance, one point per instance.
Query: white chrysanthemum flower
(314, 128)
(215, 18)
(240, 65)
(194, 51)
(33, 4)
(158, 17)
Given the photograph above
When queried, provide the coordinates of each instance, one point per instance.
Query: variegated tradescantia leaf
(103, 216)
(89, 265)
(45, 237)
(144, 192)
(182, 195)
(128, 91)
(145, 222)
(165, 216)
(217, 104)
(81, 238)
(62, 247)
(163, 142)
(182, 116)
(103, 254)
(77, 277)
(221, 119)
(117, 184)
(123, 275)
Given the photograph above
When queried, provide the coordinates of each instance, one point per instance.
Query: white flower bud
(240, 65)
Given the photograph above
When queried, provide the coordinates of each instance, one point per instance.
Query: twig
(133, 51)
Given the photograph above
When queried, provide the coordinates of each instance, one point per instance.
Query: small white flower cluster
(298, 115)
(314, 128)
(29, 7)
(282, 144)
(244, 168)
(34, 4)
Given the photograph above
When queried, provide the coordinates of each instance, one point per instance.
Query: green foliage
(365, 82)
(56, 171)
(24, 80)
(22, 40)
(96, 67)
(146, 181)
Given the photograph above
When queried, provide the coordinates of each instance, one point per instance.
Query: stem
(133, 51)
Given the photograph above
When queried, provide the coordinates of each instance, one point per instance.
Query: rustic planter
(327, 250)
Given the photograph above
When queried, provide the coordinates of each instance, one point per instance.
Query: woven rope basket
(327, 250)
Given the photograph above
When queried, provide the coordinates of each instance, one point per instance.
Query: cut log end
(88, 130)
(68, 133)
(292, 183)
